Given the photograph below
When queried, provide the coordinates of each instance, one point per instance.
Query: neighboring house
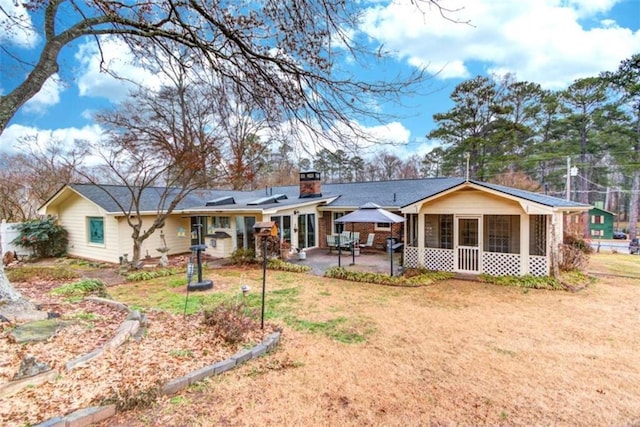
(451, 224)
(601, 223)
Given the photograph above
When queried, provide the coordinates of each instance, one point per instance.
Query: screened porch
(498, 245)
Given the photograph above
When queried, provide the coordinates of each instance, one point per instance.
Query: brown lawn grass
(454, 353)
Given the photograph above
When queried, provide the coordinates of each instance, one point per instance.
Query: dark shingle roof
(105, 196)
(388, 194)
(542, 199)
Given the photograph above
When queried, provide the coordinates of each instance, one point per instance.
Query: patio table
(345, 242)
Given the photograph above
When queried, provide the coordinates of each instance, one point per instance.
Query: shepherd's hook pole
(264, 277)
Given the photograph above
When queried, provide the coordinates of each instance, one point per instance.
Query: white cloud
(368, 141)
(538, 40)
(16, 27)
(591, 7)
(10, 139)
(117, 58)
(49, 95)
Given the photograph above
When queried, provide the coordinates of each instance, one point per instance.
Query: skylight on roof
(225, 200)
(269, 199)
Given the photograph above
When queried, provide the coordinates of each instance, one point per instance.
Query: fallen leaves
(128, 376)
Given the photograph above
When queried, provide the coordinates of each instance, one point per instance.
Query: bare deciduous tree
(29, 177)
(160, 143)
(282, 54)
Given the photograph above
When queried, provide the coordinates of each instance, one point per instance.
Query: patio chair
(369, 242)
(331, 242)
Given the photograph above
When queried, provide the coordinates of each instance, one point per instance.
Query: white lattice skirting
(438, 259)
(538, 266)
(499, 264)
(411, 257)
(496, 264)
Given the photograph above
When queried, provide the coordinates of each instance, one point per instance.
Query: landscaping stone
(175, 385)
(242, 356)
(272, 340)
(82, 360)
(224, 366)
(40, 330)
(127, 329)
(29, 367)
(15, 386)
(134, 315)
(115, 304)
(258, 350)
(87, 416)
(53, 422)
(201, 374)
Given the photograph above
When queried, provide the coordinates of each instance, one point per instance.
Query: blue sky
(550, 42)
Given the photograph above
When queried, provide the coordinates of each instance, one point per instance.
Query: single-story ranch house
(451, 224)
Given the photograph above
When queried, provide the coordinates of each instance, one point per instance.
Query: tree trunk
(135, 258)
(13, 306)
(7, 292)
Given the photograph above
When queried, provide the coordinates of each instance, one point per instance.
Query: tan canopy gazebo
(372, 213)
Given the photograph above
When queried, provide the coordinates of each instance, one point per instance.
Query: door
(468, 248)
(306, 231)
(245, 238)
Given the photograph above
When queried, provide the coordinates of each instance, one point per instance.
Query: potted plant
(285, 250)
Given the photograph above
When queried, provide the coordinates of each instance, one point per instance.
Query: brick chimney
(310, 185)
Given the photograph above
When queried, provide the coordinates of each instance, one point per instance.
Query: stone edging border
(127, 329)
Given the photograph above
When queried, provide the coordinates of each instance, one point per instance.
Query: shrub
(528, 281)
(572, 257)
(243, 256)
(82, 288)
(578, 243)
(43, 237)
(424, 277)
(278, 264)
(231, 320)
(151, 274)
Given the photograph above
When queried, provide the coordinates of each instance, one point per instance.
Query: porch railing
(497, 264)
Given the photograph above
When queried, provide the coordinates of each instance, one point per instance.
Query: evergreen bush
(43, 236)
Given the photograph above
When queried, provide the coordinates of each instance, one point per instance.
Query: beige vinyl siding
(73, 215)
(176, 245)
(472, 202)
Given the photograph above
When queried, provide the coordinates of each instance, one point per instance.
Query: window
(214, 222)
(383, 226)
(597, 232)
(96, 230)
(502, 233)
(538, 235)
(337, 226)
(438, 231)
(597, 219)
(412, 230)
(284, 227)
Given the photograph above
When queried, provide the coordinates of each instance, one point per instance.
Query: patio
(320, 260)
